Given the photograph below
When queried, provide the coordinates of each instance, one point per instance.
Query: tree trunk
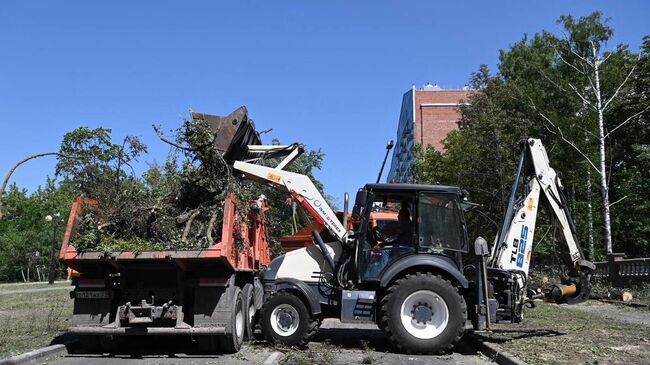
(590, 217)
(604, 189)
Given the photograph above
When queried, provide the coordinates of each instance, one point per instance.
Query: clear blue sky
(330, 74)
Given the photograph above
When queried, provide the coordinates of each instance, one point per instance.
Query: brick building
(427, 116)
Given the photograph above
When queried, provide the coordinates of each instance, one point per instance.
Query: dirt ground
(588, 333)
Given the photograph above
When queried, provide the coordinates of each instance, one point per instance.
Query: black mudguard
(437, 263)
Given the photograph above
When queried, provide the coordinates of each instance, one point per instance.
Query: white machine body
(513, 252)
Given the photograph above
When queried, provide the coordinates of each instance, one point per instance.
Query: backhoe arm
(514, 244)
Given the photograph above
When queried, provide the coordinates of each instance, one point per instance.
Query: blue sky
(329, 74)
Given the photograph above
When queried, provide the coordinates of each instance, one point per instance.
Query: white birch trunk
(601, 151)
(590, 217)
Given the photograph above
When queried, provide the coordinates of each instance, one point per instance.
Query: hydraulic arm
(513, 248)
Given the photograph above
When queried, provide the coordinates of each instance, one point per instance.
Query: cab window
(440, 225)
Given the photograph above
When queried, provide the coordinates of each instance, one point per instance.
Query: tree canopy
(545, 88)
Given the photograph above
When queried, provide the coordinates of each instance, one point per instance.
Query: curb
(494, 352)
(273, 359)
(32, 356)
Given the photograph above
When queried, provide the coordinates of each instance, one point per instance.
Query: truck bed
(251, 256)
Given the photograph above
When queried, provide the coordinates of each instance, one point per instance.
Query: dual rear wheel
(241, 323)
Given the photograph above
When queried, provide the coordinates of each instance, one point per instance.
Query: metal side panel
(91, 312)
(358, 306)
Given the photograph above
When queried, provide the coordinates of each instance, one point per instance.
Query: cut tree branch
(188, 225)
(8, 177)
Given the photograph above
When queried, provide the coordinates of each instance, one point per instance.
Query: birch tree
(589, 81)
(584, 51)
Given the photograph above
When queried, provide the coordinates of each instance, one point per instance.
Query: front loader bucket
(234, 133)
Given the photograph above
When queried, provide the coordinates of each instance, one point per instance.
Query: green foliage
(534, 95)
(175, 206)
(25, 236)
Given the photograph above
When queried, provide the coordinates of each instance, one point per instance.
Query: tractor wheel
(285, 319)
(231, 342)
(423, 314)
(250, 310)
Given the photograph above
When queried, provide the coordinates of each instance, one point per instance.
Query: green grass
(32, 285)
(552, 334)
(32, 320)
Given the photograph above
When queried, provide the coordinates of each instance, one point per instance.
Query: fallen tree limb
(13, 169)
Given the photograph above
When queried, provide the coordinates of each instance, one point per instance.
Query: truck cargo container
(210, 294)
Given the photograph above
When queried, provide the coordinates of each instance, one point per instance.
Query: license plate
(99, 294)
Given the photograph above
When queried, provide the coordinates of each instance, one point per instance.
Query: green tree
(546, 88)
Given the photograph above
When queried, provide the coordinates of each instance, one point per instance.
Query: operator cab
(399, 220)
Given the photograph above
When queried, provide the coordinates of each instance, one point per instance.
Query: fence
(622, 272)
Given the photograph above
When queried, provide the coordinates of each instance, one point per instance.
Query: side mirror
(359, 203)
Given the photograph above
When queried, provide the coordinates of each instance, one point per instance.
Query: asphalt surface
(336, 343)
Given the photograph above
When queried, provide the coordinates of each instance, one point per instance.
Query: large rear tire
(250, 310)
(285, 319)
(423, 314)
(231, 342)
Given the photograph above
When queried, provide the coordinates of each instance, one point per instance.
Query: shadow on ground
(514, 334)
(136, 347)
(371, 339)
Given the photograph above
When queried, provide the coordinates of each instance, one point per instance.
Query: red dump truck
(210, 294)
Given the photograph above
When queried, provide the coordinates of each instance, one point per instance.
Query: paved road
(336, 343)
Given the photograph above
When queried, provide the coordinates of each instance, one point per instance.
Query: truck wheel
(423, 314)
(249, 309)
(231, 342)
(285, 319)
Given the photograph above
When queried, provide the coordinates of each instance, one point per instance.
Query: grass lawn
(552, 334)
(32, 320)
(33, 285)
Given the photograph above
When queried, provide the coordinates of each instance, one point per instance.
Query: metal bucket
(234, 133)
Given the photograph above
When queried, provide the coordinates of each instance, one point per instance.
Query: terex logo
(522, 246)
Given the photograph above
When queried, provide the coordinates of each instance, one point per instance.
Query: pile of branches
(177, 206)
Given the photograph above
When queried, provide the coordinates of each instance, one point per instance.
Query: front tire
(285, 319)
(423, 314)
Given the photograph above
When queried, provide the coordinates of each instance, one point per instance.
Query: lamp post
(54, 219)
(389, 146)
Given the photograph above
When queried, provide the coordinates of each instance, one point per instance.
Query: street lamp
(54, 219)
(389, 146)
